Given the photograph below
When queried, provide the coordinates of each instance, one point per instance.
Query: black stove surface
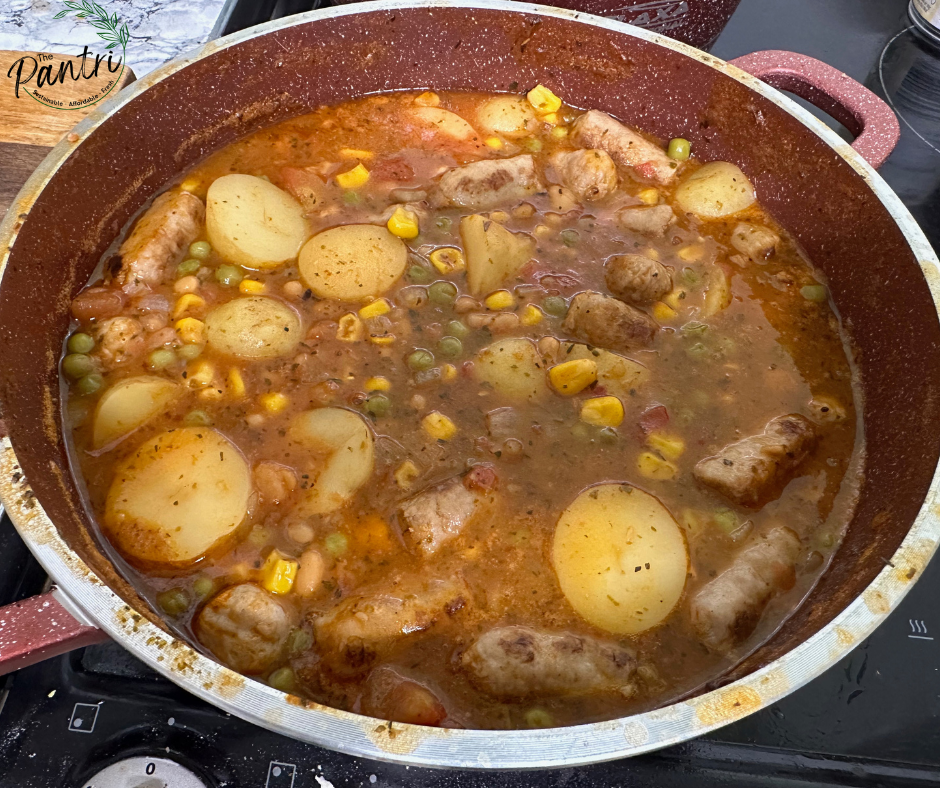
(872, 720)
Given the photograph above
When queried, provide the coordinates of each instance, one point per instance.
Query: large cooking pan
(882, 272)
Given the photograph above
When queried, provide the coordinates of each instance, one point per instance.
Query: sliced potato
(508, 116)
(446, 122)
(513, 368)
(493, 253)
(615, 373)
(355, 262)
(347, 443)
(718, 294)
(178, 496)
(253, 327)
(253, 223)
(716, 190)
(620, 558)
(129, 404)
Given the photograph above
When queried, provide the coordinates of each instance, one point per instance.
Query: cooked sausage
(651, 220)
(636, 278)
(485, 184)
(434, 517)
(390, 696)
(517, 662)
(750, 470)
(726, 610)
(245, 627)
(590, 174)
(755, 241)
(607, 323)
(159, 239)
(120, 339)
(596, 129)
(359, 629)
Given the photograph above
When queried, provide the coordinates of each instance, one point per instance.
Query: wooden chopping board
(29, 128)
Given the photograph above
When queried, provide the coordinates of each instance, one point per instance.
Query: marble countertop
(159, 29)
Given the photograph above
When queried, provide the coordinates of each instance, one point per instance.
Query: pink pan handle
(870, 119)
(42, 627)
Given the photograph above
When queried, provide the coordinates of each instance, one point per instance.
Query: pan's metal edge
(416, 745)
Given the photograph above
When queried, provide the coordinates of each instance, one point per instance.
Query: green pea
(299, 641)
(726, 520)
(419, 275)
(582, 431)
(817, 293)
(173, 602)
(189, 352)
(203, 586)
(188, 267)
(690, 277)
(570, 237)
(162, 358)
(443, 293)
(533, 144)
(336, 544)
(282, 679)
(259, 536)
(697, 351)
(694, 327)
(443, 223)
(351, 198)
(197, 418)
(420, 359)
(77, 365)
(378, 404)
(200, 250)
(81, 343)
(228, 275)
(450, 347)
(538, 718)
(555, 306)
(89, 384)
(679, 149)
(457, 329)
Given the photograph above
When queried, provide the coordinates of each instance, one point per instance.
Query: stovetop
(872, 720)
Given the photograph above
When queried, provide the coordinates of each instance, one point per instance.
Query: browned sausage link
(517, 662)
(651, 220)
(596, 129)
(590, 174)
(636, 278)
(607, 323)
(436, 516)
(750, 471)
(488, 183)
(725, 611)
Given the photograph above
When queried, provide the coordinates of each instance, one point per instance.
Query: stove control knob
(144, 773)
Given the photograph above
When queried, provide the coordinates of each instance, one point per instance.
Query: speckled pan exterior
(883, 276)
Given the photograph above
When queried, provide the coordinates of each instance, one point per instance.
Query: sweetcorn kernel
(670, 446)
(382, 339)
(377, 308)
(378, 383)
(494, 142)
(354, 178)
(674, 299)
(406, 473)
(191, 331)
(355, 153)
(649, 196)
(403, 223)
(501, 299)
(531, 315)
(663, 312)
(438, 426)
(602, 412)
(559, 132)
(653, 467)
(191, 184)
(236, 383)
(691, 253)
(447, 260)
(428, 99)
(551, 117)
(543, 100)
(350, 328)
(448, 373)
(574, 376)
(274, 401)
(200, 373)
(250, 286)
(186, 302)
(278, 574)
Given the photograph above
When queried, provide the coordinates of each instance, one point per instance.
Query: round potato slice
(253, 223)
(445, 122)
(253, 327)
(620, 558)
(716, 190)
(355, 262)
(129, 404)
(513, 368)
(507, 116)
(178, 496)
(349, 448)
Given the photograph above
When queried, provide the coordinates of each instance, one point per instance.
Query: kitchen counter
(159, 29)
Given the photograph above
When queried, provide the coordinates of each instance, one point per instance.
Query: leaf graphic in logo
(109, 28)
